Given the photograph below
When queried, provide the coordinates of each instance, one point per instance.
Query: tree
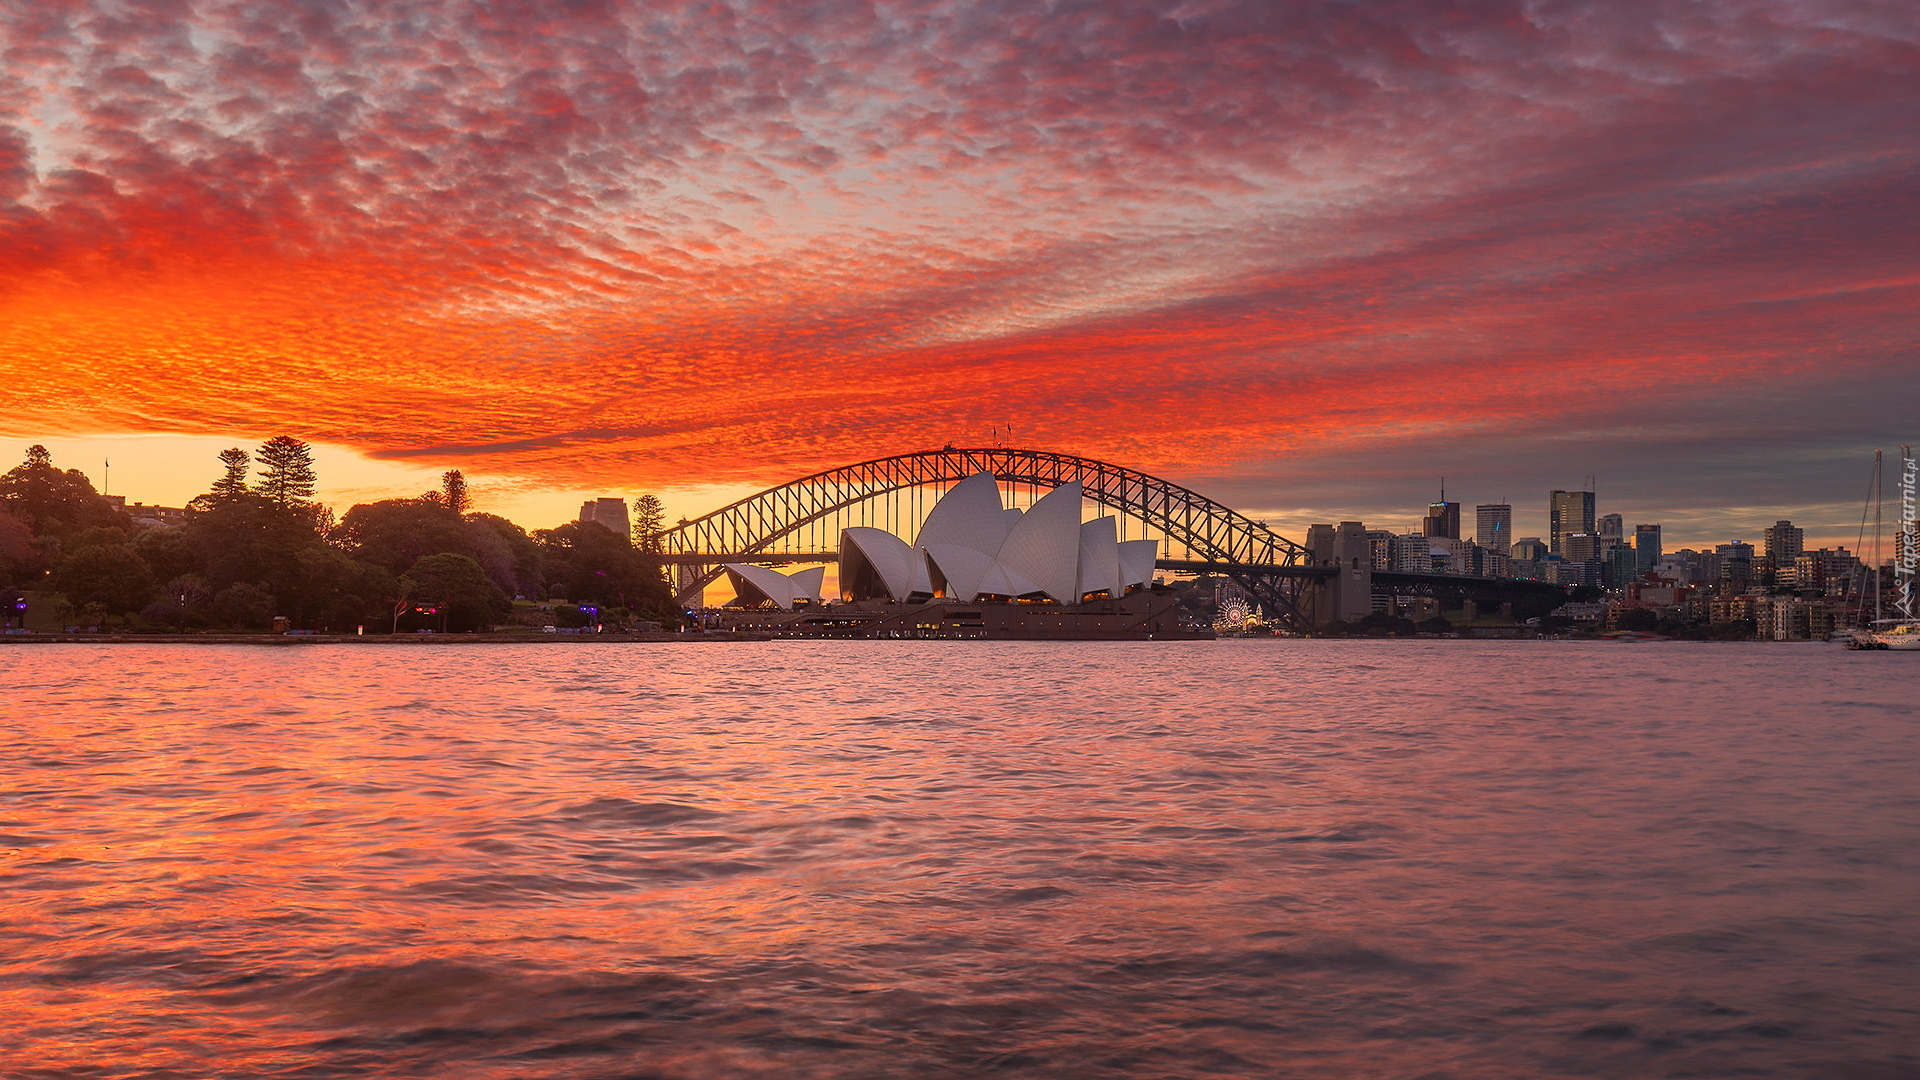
(20, 556)
(107, 578)
(395, 533)
(49, 501)
(1638, 619)
(234, 482)
(649, 514)
(458, 590)
(590, 563)
(243, 606)
(453, 492)
(288, 478)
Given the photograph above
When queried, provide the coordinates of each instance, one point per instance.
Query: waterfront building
(611, 513)
(1493, 527)
(1646, 546)
(979, 569)
(1568, 512)
(758, 586)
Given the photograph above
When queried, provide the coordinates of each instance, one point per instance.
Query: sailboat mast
(1876, 536)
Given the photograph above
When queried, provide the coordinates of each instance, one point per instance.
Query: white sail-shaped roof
(1044, 546)
(1099, 557)
(963, 568)
(874, 561)
(757, 584)
(807, 583)
(1000, 581)
(968, 515)
(1136, 561)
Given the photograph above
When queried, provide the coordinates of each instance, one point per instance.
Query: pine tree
(648, 516)
(235, 461)
(288, 477)
(453, 492)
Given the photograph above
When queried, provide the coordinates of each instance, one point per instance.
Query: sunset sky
(1306, 257)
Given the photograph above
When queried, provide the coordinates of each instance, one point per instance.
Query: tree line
(256, 546)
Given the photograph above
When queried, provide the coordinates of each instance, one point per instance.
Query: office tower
(1529, 548)
(1443, 519)
(1568, 512)
(1646, 546)
(1612, 527)
(1580, 546)
(1493, 527)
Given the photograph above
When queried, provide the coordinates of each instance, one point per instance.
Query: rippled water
(897, 859)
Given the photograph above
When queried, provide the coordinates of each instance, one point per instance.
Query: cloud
(1243, 241)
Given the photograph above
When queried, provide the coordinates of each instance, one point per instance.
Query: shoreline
(112, 638)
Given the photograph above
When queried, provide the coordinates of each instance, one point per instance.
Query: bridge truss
(799, 521)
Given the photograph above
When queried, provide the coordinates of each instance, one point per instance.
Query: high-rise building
(1380, 541)
(1568, 512)
(1580, 546)
(1736, 562)
(611, 513)
(1785, 542)
(1493, 527)
(1612, 527)
(1646, 546)
(1443, 518)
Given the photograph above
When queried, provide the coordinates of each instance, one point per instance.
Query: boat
(1902, 635)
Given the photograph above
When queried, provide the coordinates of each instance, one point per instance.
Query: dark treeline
(257, 546)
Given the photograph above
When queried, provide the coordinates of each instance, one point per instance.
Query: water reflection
(855, 859)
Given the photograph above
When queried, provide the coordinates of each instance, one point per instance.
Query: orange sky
(1305, 260)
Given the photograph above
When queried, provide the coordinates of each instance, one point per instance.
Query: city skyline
(606, 249)
(557, 507)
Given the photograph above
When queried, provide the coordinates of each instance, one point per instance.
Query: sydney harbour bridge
(800, 521)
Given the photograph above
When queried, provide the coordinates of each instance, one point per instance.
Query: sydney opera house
(977, 569)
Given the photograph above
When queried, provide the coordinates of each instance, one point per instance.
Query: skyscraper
(1493, 527)
(1443, 519)
(1613, 527)
(1646, 546)
(1785, 542)
(1568, 512)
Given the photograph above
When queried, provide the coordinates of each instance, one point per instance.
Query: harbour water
(960, 859)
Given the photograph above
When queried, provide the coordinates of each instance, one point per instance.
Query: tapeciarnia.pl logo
(1904, 553)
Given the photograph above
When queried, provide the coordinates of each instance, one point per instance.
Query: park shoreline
(109, 638)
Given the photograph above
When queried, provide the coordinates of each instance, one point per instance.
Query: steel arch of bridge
(1245, 550)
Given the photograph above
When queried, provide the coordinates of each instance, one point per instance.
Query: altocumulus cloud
(1284, 247)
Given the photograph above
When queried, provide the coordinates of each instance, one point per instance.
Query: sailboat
(1901, 634)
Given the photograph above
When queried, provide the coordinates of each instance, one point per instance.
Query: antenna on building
(106, 476)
